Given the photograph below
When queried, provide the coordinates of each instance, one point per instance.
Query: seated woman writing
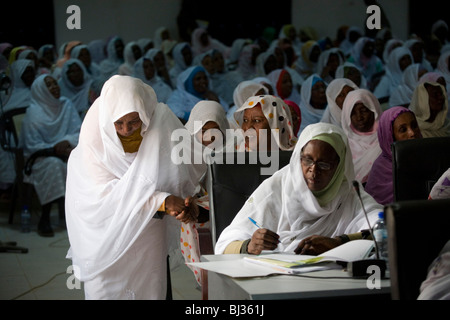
(312, 195)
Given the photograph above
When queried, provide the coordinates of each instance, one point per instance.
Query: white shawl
(333, 112)
(310, 114)
(284, 204)
(364, 146)
(79, 95)
(111, 195)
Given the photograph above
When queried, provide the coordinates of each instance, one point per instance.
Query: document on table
(287, 263)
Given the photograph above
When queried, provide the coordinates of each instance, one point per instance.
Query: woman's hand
(263, 239)
(315, 245)
(63, 148)
(184, 210)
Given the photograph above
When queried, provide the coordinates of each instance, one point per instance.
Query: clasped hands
(184, 210)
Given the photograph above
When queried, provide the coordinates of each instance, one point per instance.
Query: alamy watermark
(189, 150)
(74, 20)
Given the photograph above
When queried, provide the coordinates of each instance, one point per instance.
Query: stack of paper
(288, 263)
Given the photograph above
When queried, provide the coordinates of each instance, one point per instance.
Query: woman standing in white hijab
(312, 195)
(51, 122)
(119, 176)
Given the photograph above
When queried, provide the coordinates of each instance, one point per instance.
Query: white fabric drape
(284, 204)
(119, 248)
(365, 147)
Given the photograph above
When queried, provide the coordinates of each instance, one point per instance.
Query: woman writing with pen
(311, 196)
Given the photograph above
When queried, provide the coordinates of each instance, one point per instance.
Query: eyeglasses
(308, 162)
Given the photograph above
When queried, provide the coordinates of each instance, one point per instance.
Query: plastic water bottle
(25, 219)
(380, 234)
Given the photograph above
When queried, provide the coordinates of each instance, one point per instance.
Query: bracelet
(344, 238)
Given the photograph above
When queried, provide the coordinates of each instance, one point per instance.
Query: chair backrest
(417, 231)
(10, 125)
(417, 166)
(231, 182)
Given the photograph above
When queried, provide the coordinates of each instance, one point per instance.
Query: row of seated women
(123, 172)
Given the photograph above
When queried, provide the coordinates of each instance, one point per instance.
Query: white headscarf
(181, 101)
(277, 113)
(79, 95)
(48, 120)
(111, 195)
(393, 70)
(443, 67)
(333, 113)
(402, 94)
(310, 114)
(364, 146)
(284, 204)
(203, 112)
(126, 68)
(162, 89)
(179, 62)
(19, 95)
(440, 127)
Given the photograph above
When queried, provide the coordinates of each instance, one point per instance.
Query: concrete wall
(134, 19)
(329, 15)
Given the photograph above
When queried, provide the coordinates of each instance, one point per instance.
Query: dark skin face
(75, 75)
(318, 151)
(85, 57)
(208, 64)
(53, 87)
(137, 52)
(404, 62)
(286, 85)
(436, 100)
(200, 82)
(342, 95)
(28, 76)
(318, 95)
(254, 118)
(316, 179)
(149, 69)
(362, 118)
(208, 133)
(270, 64)
(119, 48)
(368, 49)
(354, 75)
(187, 54)
(405, 127)
(128, 124)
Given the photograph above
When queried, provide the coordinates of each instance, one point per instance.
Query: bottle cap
(381, 215)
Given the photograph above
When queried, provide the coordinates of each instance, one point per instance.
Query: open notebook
(292, 263)
(238, 266)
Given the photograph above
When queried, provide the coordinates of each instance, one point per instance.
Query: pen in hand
(258, 226)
